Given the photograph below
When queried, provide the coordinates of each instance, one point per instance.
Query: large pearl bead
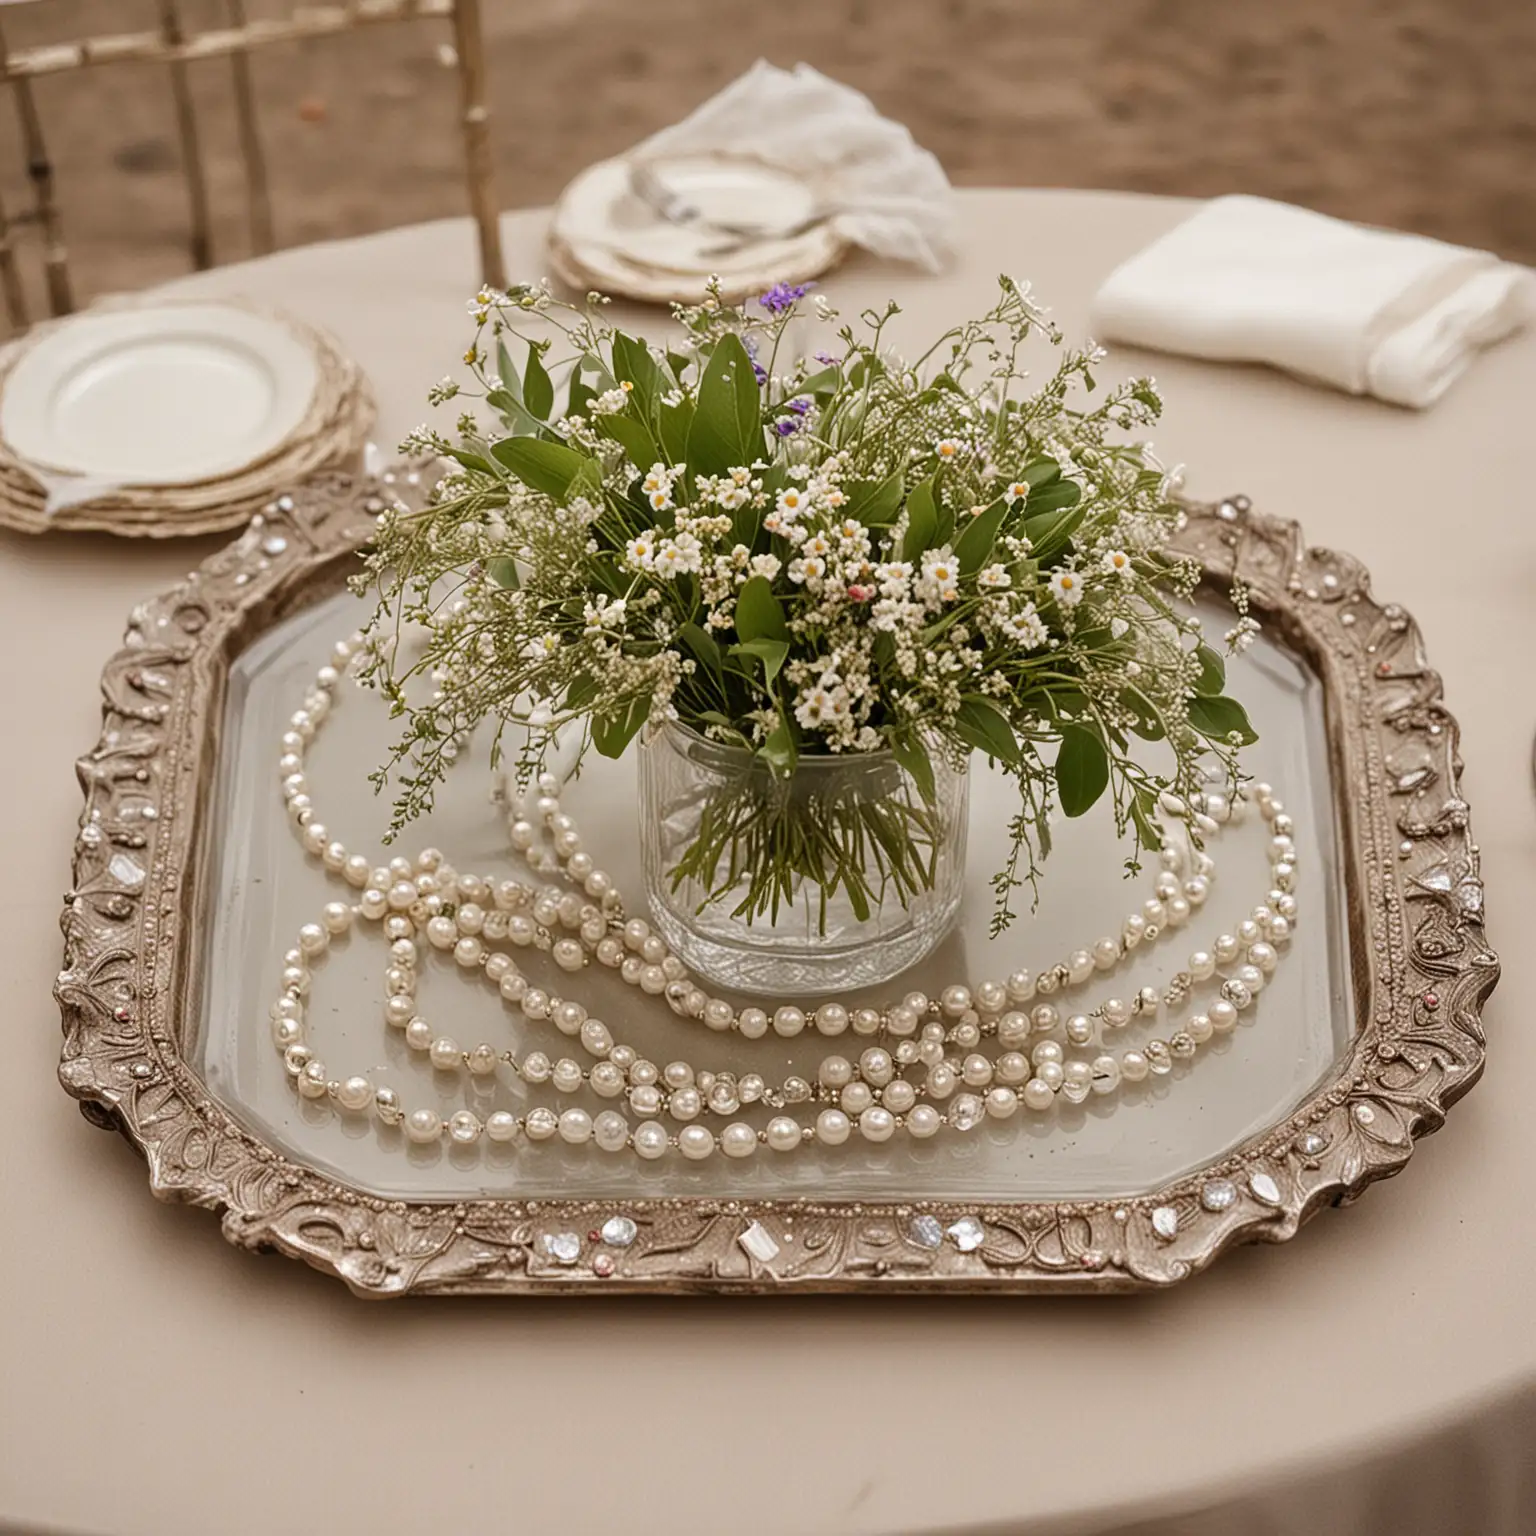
(877, 1123)
(783, 1133)
(575, 1126)
(738, 1139)
(650, 1139)
(501, 1125)
(423, 1125)
(696, 1142)
(923, 1121)
(833, 1127)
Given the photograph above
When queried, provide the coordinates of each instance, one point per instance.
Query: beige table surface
(1379, 1372)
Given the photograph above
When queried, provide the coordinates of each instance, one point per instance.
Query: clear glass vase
(840, 876)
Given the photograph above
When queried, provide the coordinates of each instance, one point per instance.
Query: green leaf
(508, 371)
(503, 571)
(875, 503)
(727, 428)
(978, 536)
(633, 436)
(1040, 472)
(759, 614)
(702, 644)
(675, 423)
(1054, 496)
(909, 751)
(982, 725)
(471, 461)
(612, 733)
(540, 465)
(772, 653)
(780, 751)
(587, 481)
(633, 364)
(1213, 672)
(1219, 718)
(824, 382)
(538, 391)
(922, 521)
(1050, 533)
(1082, 769)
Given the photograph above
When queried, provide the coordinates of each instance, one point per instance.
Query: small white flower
(807, 571)
(1067, 588)
(1019, 491)
(766, 565)
(1118, 563)
(893, 577)
(660, 500)
(640, 552)
(995, 578)
(948, 449)
(610, 402)
(940, 581)
(792, 503)
(658, 478)
(1026, 627)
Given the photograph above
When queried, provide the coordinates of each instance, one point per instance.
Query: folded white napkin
(889, 196)
(1367, 311)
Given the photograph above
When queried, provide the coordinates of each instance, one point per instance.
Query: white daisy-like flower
(660, 499)
(1067, 588)
(766, 565)
(1027, 627)
(732, 496)
(1118, 563)
(542, 648)
(994, 577)
(792, 502)
(640, 552)
(658, 478)
(817, 544)
(893, 577)
(813, 708)
(1019, 491)
(807, 570)
(940, 580)
(948, 449)
(601, 615)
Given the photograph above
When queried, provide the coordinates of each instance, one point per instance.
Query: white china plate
(603, 235)
(163, 396)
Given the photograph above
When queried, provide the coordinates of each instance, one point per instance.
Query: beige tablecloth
(1378, 1373)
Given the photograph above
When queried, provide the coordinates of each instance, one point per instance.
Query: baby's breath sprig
(840, 552)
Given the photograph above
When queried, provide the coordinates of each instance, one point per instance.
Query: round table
(1378, 1369)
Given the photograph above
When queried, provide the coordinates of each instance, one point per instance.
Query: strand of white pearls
(467, 914)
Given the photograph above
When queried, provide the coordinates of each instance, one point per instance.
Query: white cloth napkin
(1367, 311)
(890, 196)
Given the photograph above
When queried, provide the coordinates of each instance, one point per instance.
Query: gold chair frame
(172, 45)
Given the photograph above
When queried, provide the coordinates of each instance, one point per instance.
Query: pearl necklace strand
(583, 922)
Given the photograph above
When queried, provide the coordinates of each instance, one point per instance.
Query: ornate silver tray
(177, 886)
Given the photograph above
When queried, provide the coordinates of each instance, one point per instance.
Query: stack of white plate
(657, 230)
(168, 420)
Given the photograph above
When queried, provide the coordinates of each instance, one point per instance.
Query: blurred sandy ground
(1419, 114)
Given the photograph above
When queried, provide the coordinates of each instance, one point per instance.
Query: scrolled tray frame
(128, 991)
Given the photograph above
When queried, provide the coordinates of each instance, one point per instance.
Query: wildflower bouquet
(807, 558)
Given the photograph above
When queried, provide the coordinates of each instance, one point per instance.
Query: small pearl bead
(788, 1021)
(923, 1121)
(541, 1124)
(835, 1072)
(831, 1018)
(1079, 966)
(313, 939)
(696, 1142)
(1038, 1094)
(956, 1001)
(877, 1123)
(423, 1125)
(898, 1096)
(1226, 947)
(876, 1066)
(1044, 1017)
(444, 1054)
(651, 1139)
(355, 1094)
(738, 1139)
(399, 1010)
(991, 997)
(941, 1081)
(1133, 1066)
(783, 1133)
(1001, 1102)
(501, 1125)
(653, 980)
(575, 1126)
(753, 1023)
(336, 916)
(418, 1035)
(468, 953)
(718, 1014)
(464, 1127)
(1202, 965)
(833, 1127)
(441, 933)
(976, 1071)
(1198, 1027)
(1051, 1074)
(1047, 1050)
(1079, 1029)
(566, 1075)
(1012, 1067)
(1021, 987)
(1264, 956)
(856, 1098)
(1105, 1072)
(1222, 1015)
(1106, 952)
(610, 1130)
(401, 895)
